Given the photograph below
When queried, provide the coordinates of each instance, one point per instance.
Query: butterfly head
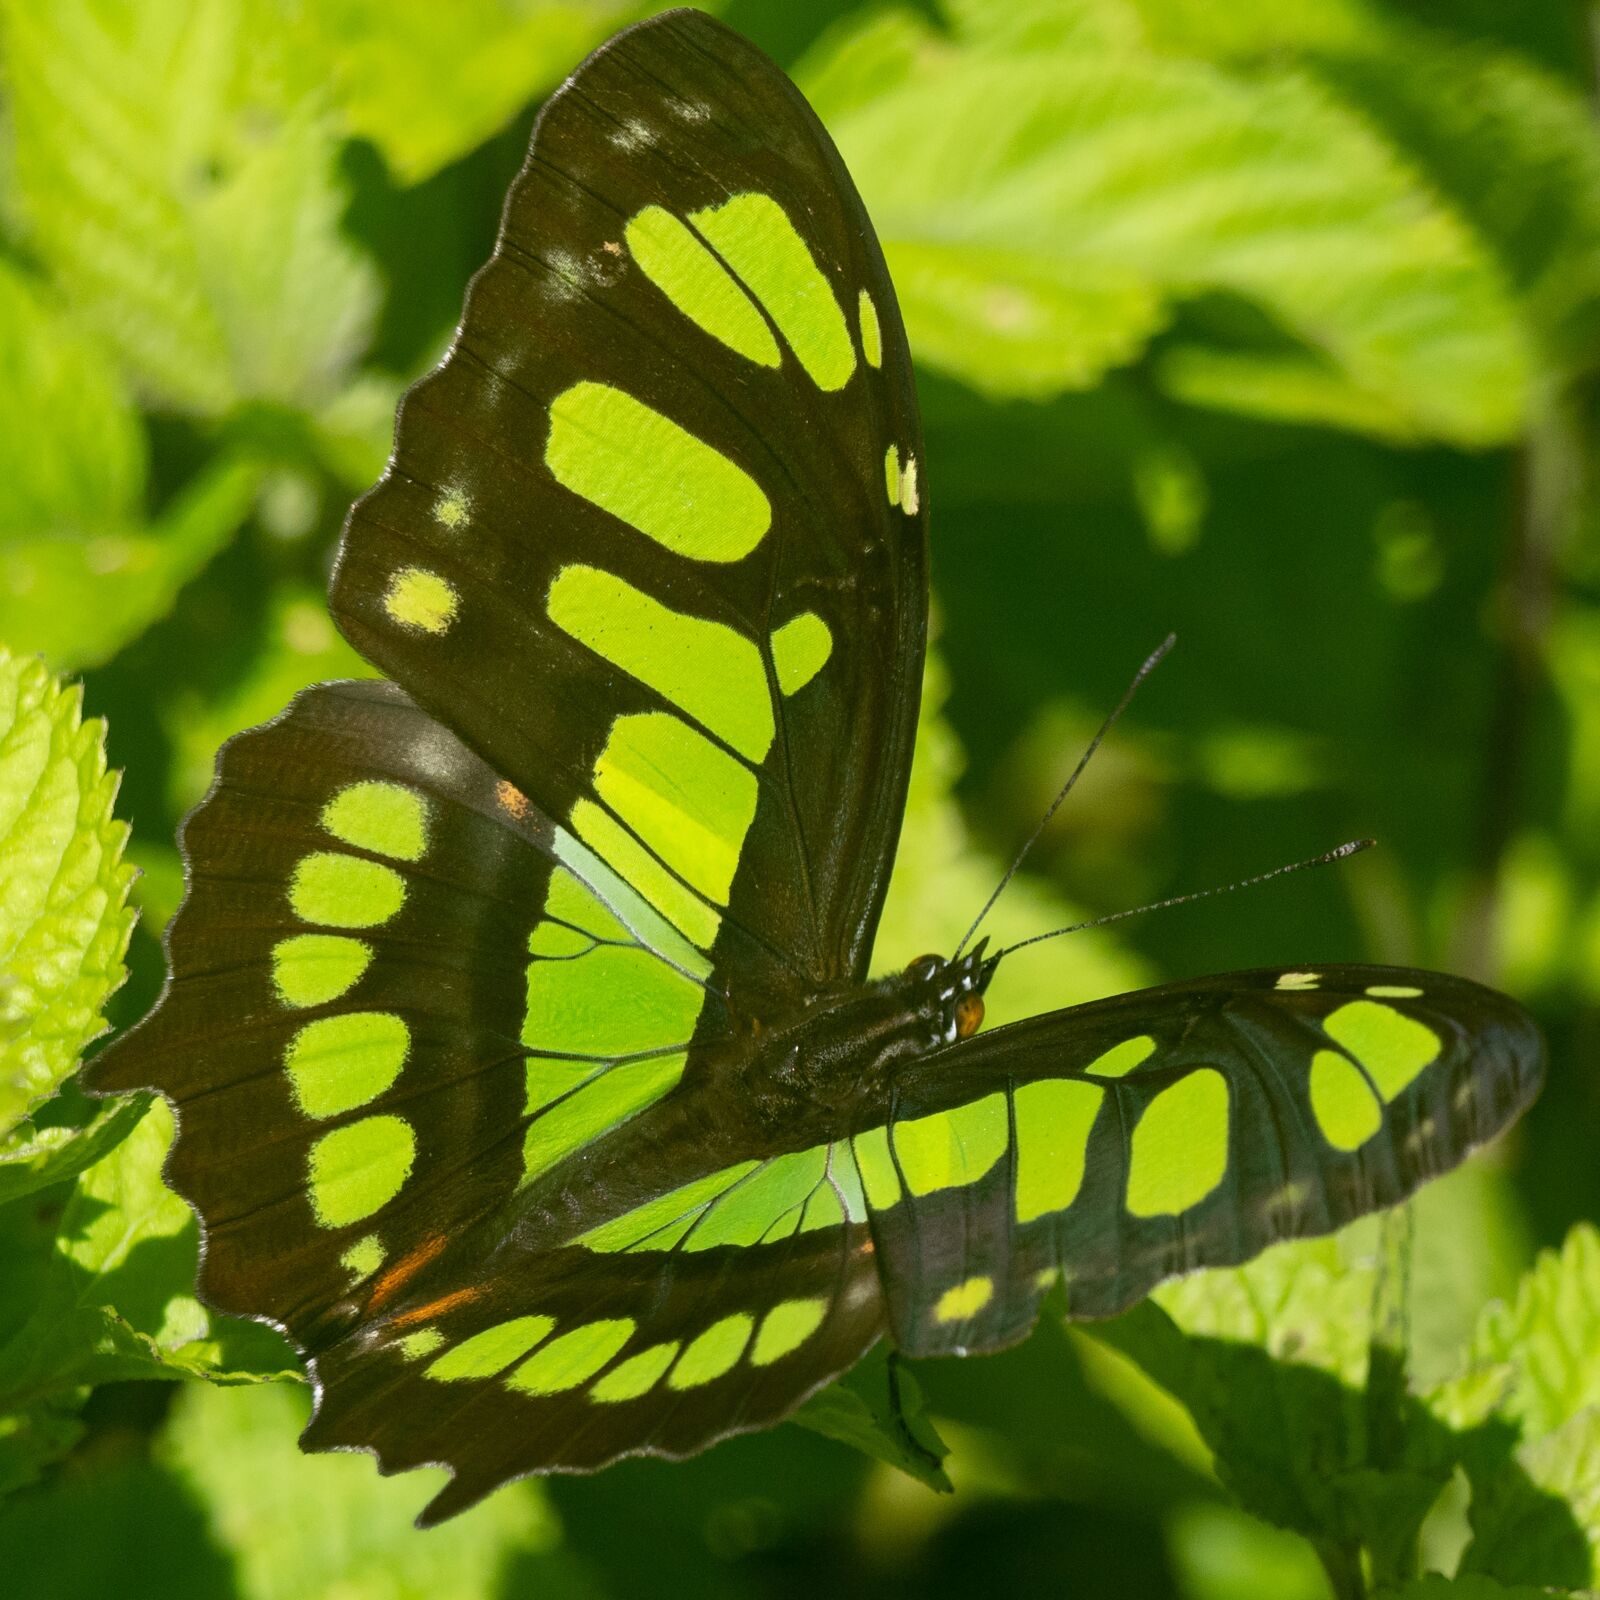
(952, 990)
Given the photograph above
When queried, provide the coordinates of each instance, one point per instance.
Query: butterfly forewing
(652, 538)
(1110, 1146)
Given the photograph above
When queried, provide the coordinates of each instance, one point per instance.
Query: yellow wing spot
(964, 1300)
(1394, 991)
(891, 473)
(511, 799)
(871, 333)
(452, 509)
(414, 1346)
(364, 1257)
(417, 598)
(1296, 981)
(910, 496)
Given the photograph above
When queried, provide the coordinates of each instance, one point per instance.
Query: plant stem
(1342, 1563)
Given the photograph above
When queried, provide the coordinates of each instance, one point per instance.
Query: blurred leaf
(328, 1527)
(177, 174)
(64, 918)
(81, 572)
(1537, 1519)
(1282, 385)
(877, 1408)
(425, 83)
(1507, 144)
(1529, 1392)
(1468, 1586)
(1180, 176)
(943, 877)
(79, 600)
(1221, 1554)
(72, 451)
(301, 646)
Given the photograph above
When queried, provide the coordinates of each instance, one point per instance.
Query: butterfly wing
(1115, 1144)
(648, 568)
(412, 1052)
(651, 540)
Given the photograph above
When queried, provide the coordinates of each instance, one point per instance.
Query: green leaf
(33, 1157)
(1272, 1360)
(116, 1299)
(1112, 172)
(78, 600)
(1548, 1338)
(427, 83)
(64, 918)
(176, 167)
(1537, 1518)
(877, 1408)
(84, 571)
(1506, 144)
(1530, 1391)
(319, 1527)
(72, 451)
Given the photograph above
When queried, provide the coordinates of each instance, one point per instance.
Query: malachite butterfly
(527, 1068)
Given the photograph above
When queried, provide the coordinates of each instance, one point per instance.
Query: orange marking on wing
(512, 799)
(404, 1270)
(435, 1308)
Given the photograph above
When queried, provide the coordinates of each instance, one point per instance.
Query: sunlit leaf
(117, 1299)
(1134, 169)
(34, 1157)
(64, 919)
(328, 1527)
(176, 171)
(425, 82)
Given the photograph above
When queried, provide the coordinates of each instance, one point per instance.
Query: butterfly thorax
(827, 1069)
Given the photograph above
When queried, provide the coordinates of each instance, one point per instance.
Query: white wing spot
(633, 135)
(1299, 980)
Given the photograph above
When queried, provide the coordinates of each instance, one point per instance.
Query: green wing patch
(1110, 1146)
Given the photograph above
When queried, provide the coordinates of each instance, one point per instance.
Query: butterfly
(528, 1071)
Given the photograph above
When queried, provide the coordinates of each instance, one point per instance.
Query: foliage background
(1276, 324)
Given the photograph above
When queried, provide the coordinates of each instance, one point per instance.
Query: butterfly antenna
(1152, 661)
(1353, 847)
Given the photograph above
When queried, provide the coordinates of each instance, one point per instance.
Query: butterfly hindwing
(565, 1360)
(1110, 1146)
(652, 536)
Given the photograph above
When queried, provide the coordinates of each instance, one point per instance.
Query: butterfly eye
(924, 966)
(969, 1015)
